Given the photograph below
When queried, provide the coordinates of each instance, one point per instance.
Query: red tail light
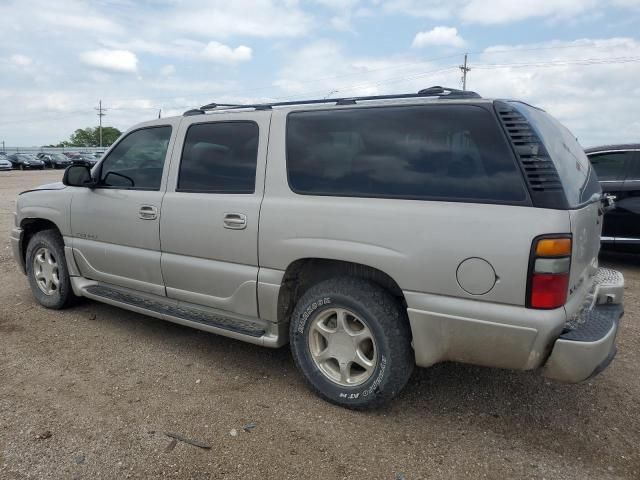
(549, 291)
(549, 272)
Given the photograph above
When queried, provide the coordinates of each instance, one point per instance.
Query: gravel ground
(90, 392)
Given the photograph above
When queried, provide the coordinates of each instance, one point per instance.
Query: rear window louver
(539, 170)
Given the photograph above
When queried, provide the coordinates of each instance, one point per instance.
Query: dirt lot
(107, 384)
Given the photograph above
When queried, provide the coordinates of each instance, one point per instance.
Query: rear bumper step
(588, 349)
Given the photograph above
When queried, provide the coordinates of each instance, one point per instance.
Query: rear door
(611, 167)
(209, 224)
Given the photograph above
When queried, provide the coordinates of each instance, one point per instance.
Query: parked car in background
(84, 159)
(55, 160)
(618, 169)
(25, 160)
(5, 164)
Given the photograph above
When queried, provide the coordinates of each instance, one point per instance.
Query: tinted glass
(219, 158)
(609, 166)
(578, 181)
(138, 160)
(432, 151)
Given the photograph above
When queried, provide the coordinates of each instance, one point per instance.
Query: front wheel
(351, 340)
(47, 270)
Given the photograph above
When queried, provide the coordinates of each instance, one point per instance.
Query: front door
(116, 224)
(209, 224)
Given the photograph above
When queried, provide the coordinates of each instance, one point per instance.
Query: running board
(178, 312)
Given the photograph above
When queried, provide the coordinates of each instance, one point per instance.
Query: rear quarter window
(436, 152)
(579, 182)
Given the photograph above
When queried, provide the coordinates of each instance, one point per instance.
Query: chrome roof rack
(437, 91)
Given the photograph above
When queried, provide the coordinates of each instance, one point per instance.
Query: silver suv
(372, 234)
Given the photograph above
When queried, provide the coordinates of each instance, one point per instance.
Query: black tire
(63, 296)
(386, 319)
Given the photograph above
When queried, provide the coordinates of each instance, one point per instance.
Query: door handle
(148, 212)
(235, 221)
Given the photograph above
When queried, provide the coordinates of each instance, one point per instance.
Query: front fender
(52, 205)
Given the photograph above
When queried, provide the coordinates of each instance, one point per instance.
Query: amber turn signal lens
(553, 247)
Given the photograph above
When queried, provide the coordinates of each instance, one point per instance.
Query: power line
(584, 61)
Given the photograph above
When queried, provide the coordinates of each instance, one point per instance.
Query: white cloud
(251, 18)
(439, 36)
(167, 70)
(56, 16)
(322, 69)
(598, 102)
(342, 23)
(20, 60)
(338, 4)
(185, 48)
(505, 11)
(120, 61)
(434, 9)
(500, 11)
(219, 52)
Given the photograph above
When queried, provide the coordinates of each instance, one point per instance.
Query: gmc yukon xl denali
(372, 234)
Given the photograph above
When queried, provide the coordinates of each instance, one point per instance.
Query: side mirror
(78, 176)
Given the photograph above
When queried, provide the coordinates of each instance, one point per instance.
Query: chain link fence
(10, 150)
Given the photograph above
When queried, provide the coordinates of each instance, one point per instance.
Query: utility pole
(100, 115)
(159, 113)
(464, 70)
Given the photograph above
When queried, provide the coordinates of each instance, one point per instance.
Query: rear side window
(576, 175)
(609, 166)
(219, 157)
(453, 152)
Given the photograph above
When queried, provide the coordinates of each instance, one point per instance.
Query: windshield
(578, 179)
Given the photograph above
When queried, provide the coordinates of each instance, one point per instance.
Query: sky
(577, 59)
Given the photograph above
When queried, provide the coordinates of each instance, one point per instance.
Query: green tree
(90, 137)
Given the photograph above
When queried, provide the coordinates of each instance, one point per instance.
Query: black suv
(618, 169)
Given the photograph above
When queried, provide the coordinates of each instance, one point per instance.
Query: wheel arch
(31, 226)
(303, 273)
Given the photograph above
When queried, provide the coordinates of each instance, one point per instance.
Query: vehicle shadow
(449, 399)
(449, 388)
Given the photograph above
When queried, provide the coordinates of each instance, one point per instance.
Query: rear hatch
(573, 186)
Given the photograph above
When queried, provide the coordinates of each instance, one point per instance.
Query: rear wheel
(351, 340)
(47, 270)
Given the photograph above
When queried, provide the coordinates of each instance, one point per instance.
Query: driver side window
(137, 161)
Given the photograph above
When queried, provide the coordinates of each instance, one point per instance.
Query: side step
(182, 312)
